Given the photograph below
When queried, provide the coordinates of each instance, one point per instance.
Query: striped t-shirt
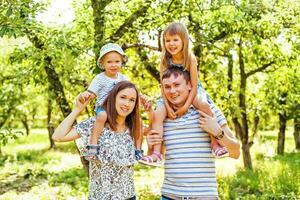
(101, 85)
(189, 166)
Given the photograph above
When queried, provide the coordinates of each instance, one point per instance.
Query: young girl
(111, 59)
(176, 52)
(111, 176)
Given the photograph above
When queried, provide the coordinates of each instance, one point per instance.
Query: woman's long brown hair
(133, 119)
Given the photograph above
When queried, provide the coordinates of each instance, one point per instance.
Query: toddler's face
(112, 62)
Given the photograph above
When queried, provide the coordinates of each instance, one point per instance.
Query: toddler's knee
(102, 117)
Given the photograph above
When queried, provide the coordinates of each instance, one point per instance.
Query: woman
(111, 175)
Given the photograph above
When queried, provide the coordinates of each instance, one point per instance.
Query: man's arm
(226, 138)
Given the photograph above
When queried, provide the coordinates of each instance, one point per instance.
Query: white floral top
(111, 176)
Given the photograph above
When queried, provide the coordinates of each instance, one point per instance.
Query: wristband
(220, 135)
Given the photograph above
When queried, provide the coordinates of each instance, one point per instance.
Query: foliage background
(248, 55)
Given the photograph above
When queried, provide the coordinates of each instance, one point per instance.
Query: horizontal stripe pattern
(189, 165)
(101, 85)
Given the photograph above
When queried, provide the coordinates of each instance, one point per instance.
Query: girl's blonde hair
(179, 29)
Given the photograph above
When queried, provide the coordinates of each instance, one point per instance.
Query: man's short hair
(176, 71)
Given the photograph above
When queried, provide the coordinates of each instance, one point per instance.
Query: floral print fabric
(111, 175)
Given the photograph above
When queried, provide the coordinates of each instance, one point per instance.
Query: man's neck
(175, 107)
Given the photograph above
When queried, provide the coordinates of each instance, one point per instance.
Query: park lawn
(29, 170)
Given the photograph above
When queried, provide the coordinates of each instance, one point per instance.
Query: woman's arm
(65, 131)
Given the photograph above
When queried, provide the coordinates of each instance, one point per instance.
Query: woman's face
(125, 101)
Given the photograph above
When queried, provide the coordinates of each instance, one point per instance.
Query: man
(189, 164)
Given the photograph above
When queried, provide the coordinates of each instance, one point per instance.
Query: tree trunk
(246, 155)
(237, 128)
(281, 133)
(24, 121)
(297, 132)
(230, 72)
(255, 124)
(99, 24)
(49, 122)
(242, 104)
(55, 84)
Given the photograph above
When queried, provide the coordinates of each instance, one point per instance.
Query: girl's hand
(171, 113)
(181, 111)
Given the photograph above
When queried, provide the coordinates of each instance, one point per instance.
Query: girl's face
(174, 44)
(125, 101)
(112, 62)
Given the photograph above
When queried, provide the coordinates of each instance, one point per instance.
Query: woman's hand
(146, 103)
(209, 124)
(81, 102)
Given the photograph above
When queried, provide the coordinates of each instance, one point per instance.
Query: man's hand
(209, 124)
(153, 138)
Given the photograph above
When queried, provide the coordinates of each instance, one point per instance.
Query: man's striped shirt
(189, 165)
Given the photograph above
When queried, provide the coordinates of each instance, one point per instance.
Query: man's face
(176, 90)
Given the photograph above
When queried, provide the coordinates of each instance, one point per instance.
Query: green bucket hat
(109, 48)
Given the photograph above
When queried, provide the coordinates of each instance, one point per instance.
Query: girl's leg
(157, 125)
(201, 104)
(217, 150)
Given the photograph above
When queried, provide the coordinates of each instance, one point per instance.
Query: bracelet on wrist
(219, 136)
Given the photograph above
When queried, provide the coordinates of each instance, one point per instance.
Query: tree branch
(138, 45)
(260, 69)
(129, 21)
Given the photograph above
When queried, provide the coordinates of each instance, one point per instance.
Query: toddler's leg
(96, 132)
(138, 145)
(157, 125)
(98, 127)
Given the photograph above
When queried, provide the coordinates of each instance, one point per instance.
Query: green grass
(29, 170)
